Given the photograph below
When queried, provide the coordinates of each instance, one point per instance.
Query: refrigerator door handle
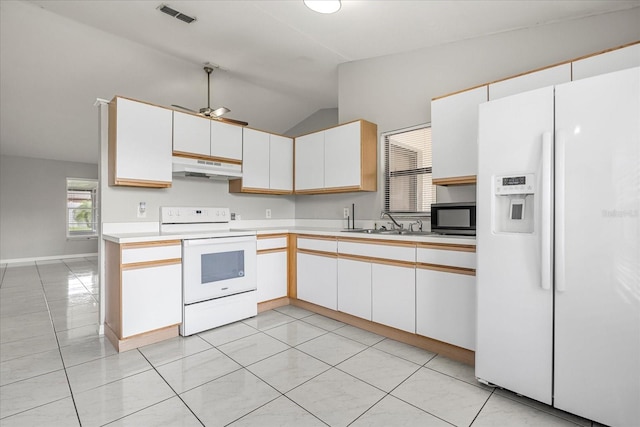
(547, 211)
(561, 140)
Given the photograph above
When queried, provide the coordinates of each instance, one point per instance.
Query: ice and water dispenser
(513, 203)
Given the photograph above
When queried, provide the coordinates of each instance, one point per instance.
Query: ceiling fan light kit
(207, 111)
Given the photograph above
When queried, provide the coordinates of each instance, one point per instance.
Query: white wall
(119, 204)
(321, 119)
(395, 91)
(33, 208)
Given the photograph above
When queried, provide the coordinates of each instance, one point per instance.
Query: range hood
(184, 166)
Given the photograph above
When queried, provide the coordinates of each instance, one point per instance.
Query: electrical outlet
(267, 213)
(345, 213)
(142, 210)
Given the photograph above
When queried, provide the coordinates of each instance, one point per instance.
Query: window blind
(408, 183)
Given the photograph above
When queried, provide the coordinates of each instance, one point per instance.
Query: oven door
(218, 267)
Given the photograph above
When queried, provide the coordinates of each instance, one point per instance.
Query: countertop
(319, 231)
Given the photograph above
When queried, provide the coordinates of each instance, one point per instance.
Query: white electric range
(218, 269)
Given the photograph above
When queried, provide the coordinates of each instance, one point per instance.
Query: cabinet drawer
(318, 244)
(151, 253)
(274, 243)
(450, 258)
(391, 252)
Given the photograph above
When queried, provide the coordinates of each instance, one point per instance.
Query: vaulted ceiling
(278, 60)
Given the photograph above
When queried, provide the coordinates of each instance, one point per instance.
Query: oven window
(221, 266)
(454, 218)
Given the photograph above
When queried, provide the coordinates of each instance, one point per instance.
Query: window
(408, 186)
(82, 217)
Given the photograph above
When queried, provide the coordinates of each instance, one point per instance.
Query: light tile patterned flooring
(285, 367)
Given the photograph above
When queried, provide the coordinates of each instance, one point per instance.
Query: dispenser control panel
(514, 184)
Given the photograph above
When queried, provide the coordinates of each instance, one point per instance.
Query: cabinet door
(354, 287)
(454, 133)
(226, 140)
(342, 160)
(191, 134)
(608, 62)
(272, 275)
(309, 165)
(281, 163)
(151, 298)
(317, 280)
(143, 131)
(394, 296)
(530, 81)
(446, 307)
(255, 159)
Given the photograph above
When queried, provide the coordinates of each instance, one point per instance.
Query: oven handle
(218, 240)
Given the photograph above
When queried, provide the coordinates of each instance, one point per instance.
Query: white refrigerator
(558, 246)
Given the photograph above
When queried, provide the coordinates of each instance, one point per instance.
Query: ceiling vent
(174, 13)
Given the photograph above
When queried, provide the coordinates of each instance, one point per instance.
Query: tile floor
(285, 367)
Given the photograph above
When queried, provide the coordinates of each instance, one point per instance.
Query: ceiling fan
(212, 113)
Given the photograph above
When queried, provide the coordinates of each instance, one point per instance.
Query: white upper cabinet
(309, 161)
(139, 144)
(530, 81)
(255, 159)
(267, 164)
(337, 160)
(454, 136)
(226, 141)
(191, 134)
(608, 62)
(202, 137)
(342, 150)
(280, 163)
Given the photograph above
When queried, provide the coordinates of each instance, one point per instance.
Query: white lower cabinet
(317, 279)
(354, 287)
(446, 307)
(151, 298)
(393, 296)
(272, 275)
(143, 298)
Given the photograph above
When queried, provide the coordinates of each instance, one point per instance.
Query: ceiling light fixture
(323, 6)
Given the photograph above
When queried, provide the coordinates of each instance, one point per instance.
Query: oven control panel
(193, 215)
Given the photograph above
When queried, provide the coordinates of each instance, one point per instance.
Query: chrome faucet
(418, 222)
(392, 219)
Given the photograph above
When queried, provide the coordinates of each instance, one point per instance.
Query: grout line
(172, 389)
(64, 365)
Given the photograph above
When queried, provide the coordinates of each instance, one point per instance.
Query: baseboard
(46, 258)
(449, 350)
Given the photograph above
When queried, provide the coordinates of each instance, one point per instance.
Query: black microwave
(454, 218)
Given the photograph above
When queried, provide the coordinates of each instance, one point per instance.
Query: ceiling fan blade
(183, 108)
(235, 122)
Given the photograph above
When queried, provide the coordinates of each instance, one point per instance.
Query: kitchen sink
(389, 232)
